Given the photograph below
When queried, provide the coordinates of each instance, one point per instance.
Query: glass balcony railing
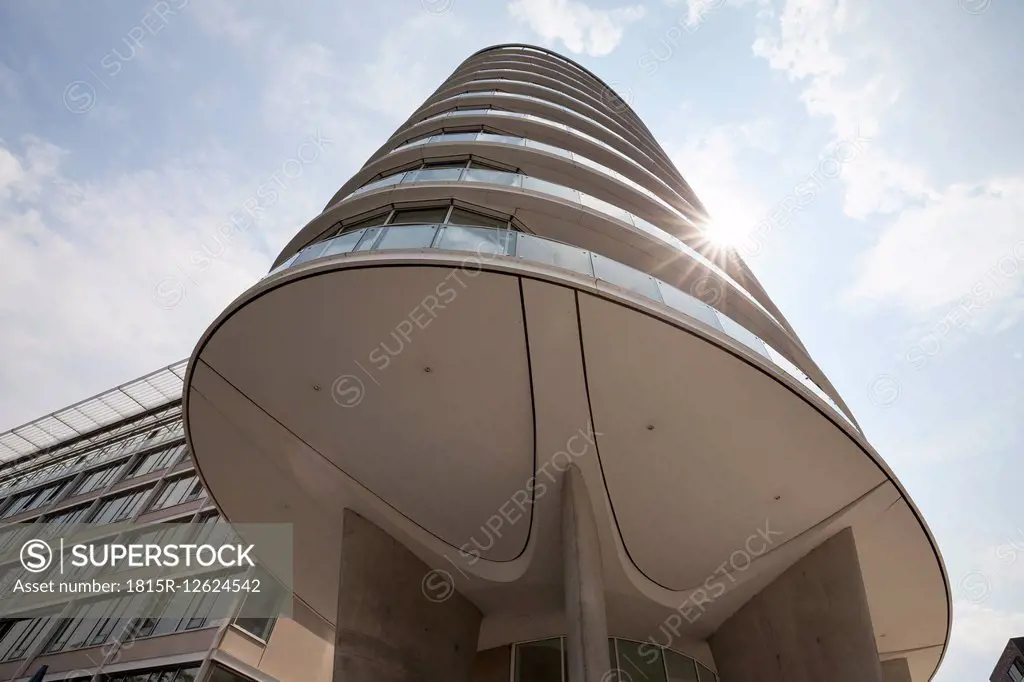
(593, 115)
(516, 141)
(488, 243)
(585, 98)
(551, 189)
(575, 114)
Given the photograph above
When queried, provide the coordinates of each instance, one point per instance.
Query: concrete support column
(811, 624)
(387, 629)
(586, 620)
(896, 670)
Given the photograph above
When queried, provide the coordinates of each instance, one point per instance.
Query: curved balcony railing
(561, 127)
(481, 88)
(493, 243)
(639, 142)
(517, 141)
(518, 180)
(579, 96)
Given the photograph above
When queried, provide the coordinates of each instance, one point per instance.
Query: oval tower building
(528, 424)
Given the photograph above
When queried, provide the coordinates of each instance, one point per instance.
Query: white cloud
(942, 243)
(803, 43)
(227, 19)
(399, 77)
(24, 178)
(698, 11)
(82, 260)
(980, 629)
(878, 183)
(807, 41)
(965, 244)
(578, 26)
(978, 638)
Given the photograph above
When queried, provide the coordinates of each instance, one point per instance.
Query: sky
(865, 157)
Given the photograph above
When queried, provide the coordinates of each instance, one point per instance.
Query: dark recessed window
(539, 661)
(415, 216)
(365, 222)
(461, 216)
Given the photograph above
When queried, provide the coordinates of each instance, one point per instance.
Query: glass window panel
(408, 237)
(689, 305)
(389, 180)
(444, 174)
(119, 508)
(533, 144)
(786, 364)
(651, 228)
(187, 674)
(369, 237)
(18, 504)
(493, 177)
(553, 253)
(606, 208)
(467, 112)
(476, 239)
(413, 143)
(309, 253)
(680, 668)
(166, 675)
(539, 661)
(95, 480)
(704, 674)
(219, 674)
(457, 137)
(551, 188)
(286, 264)
(501, 139)
(20, 637)
(156, 461)
(378, 219)
(744, 336)
(420, 216)
(624, 276)
(641, 661)
(257, 613)
(343, 243)
(461, 216)
(584, 161)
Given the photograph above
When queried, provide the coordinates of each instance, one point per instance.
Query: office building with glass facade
(1010, 666)
(119, 461)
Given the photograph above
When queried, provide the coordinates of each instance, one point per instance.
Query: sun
(722, 234)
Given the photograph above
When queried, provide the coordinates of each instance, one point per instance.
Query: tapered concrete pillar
(388, 629)
(896, 670)
(811, 624)
(586, 620)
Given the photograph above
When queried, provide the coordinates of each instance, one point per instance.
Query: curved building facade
(504, 386)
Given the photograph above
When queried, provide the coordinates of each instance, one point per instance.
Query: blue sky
(130, 132)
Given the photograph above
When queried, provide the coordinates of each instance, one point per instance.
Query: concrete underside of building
(714, 479)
